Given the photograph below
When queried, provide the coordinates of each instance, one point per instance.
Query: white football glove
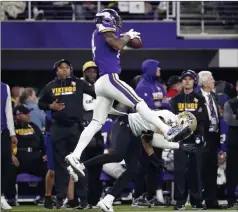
(132, 34)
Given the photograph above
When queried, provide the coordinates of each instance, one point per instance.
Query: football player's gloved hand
(187, 147)
(132, 34)
(147, 136)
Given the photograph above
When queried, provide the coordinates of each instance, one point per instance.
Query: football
(135, 43)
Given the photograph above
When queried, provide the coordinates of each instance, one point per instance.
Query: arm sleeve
(88, 89)
(164, 105)
(228, 115)
(42, 118)
(41, 138)
(9, 115)
(158, 141)
(44, 99)
(146, 94)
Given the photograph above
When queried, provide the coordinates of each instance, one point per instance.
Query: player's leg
(120, 141)
(50, 176)
(132, 168)
(100, 113)
(122, 92)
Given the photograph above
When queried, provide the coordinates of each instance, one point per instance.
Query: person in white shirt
(127, 132)
(8, 138)
(212, 138)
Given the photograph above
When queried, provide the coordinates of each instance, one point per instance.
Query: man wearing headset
(64, 98)
(187, 166)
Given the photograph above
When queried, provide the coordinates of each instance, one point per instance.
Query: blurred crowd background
(220, 13)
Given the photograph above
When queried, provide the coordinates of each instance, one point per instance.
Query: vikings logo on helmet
(108, 18)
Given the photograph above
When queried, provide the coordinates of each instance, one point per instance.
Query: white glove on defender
(132, 34)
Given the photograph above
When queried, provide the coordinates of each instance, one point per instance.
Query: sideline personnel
(187, 166)
(206, 83)
(64, 97)
(96, 146)
(8, 137)
(231, 117)
(30, 157)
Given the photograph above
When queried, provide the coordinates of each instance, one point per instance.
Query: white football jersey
(138, 124)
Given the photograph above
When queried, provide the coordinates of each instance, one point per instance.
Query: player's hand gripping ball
(135, 43)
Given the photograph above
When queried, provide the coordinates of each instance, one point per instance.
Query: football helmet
(187, 118)
(109, 17)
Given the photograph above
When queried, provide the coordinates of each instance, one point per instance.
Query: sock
(86, 137)
(146, 113)
(109, 198)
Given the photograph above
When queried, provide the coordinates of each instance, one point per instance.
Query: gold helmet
(187, 118)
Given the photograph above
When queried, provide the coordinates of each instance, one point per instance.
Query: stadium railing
(85, 11)
(207, 19)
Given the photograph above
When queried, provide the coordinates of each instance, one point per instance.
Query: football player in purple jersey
(107, 42)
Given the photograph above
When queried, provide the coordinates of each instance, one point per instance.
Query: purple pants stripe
(123, 89)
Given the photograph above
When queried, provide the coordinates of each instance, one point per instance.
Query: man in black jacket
(96, 146)
(231, 117)
(187, 166)
(30, 157)
(212, 138)
(64, 97)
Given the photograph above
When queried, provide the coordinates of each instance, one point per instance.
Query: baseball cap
(89, 64)
(21, 109)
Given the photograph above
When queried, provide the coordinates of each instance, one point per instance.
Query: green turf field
(116, 208)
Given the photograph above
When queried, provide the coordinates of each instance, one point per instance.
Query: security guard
(187, 166)
(64, 98)
(96, 146)
(231, 117)
(30, 155)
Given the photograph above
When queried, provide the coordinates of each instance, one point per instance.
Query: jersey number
(118, 54)
(104, 135)
(93, 46)
(222, 138)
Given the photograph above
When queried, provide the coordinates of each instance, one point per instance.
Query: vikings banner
(77, 35)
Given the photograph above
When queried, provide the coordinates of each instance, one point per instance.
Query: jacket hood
(149, 68)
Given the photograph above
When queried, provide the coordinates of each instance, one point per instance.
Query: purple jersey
(106, 58)
(106, 130)
(224, 127)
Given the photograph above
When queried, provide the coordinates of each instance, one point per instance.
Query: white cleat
(4, 204)
(105, 206)
(72, 174)
(75, 164)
